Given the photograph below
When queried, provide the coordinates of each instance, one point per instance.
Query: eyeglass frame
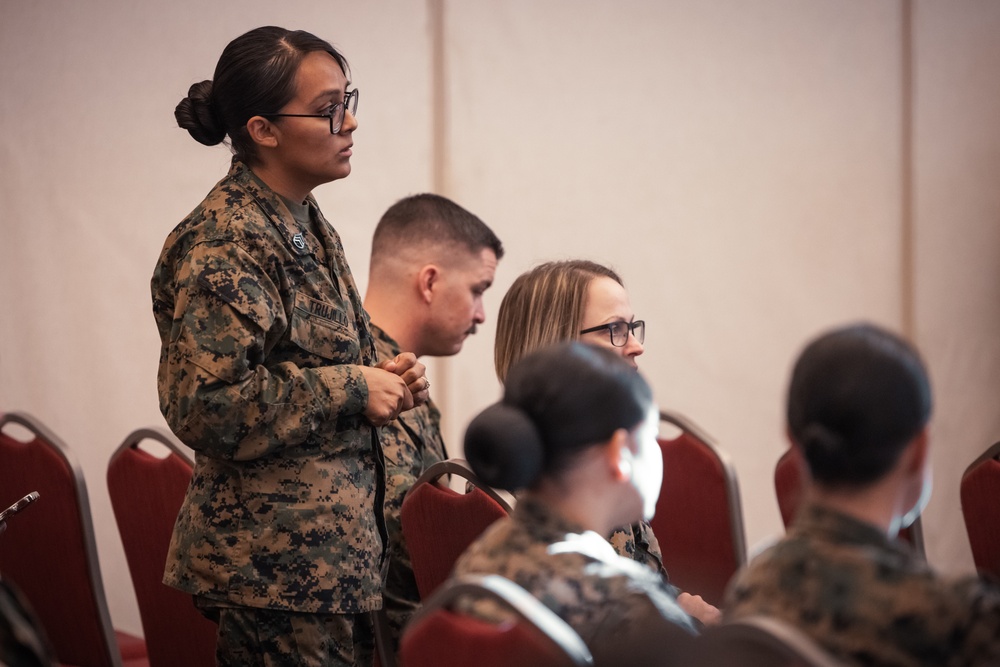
(339, 109)
(630, 328)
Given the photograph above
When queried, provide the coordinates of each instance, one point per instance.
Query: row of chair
(699, 523)
(699, 520)
(51, 557)
(439, 635)
(147, 490)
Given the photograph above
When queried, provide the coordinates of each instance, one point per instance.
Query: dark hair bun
(857, 397)
(503, 447)
(196, 114)
(821, 441)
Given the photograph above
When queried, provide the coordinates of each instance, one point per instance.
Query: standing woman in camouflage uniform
(267, 368)
(576, 430)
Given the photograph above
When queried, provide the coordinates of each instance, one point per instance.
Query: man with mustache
(431, 262)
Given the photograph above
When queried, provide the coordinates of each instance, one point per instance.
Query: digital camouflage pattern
(575, 573)
(269, 638)
(866, 599)
(411, 444)
(637, 542)
(261, 345)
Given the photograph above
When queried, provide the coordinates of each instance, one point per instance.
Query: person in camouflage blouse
(858, 406)
(576, 430)
(268, 369)
(431, 263)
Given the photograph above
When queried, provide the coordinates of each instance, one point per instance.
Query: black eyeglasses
(335, 114)
(619, 331)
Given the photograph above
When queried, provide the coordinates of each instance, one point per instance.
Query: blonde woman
(570, 300)
(561, 301)
(585, 301)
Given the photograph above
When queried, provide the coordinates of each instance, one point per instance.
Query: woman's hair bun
(820, 441)
(196, 114)
(504, 448)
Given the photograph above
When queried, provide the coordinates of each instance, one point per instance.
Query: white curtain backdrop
(756, 171)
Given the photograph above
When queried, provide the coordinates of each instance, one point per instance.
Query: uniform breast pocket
(322, 329)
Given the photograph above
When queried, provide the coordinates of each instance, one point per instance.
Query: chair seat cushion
(130, 646)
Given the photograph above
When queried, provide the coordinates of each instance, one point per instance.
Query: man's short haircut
(423, 218)
(858, 396)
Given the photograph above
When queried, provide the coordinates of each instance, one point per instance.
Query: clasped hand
(394, 386)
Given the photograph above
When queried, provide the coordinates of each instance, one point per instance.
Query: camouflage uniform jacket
(575, 573)
(638, 543)
(261, 346)
(866, 599)
(411, 444)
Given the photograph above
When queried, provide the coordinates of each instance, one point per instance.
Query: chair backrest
(788, 473)
(50, 553)
(789, 486)
(146, 494)
(440, 523)
(980, 491)
(438, 636)
(699, 518)
(758, 641)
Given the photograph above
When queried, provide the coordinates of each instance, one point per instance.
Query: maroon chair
(146, 493)
(789, 488)
(438, 636)
(788, 474)
(440, 523)
(50, 554)
(980, 491)
(699, 518)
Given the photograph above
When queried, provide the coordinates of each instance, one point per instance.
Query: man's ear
(262, 132)
(427, 281)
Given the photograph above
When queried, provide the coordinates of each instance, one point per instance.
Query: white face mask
(647, 464)
(925, 495)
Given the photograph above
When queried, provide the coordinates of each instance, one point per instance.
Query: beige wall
(957, 244)
(743, 164)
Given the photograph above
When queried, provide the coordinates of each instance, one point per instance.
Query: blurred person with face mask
(859, 403)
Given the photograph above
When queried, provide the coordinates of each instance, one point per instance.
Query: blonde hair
(543, 306)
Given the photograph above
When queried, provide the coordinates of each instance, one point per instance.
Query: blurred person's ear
(620, 456)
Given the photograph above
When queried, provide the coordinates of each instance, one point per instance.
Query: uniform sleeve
(637, 542)
(240, 377)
